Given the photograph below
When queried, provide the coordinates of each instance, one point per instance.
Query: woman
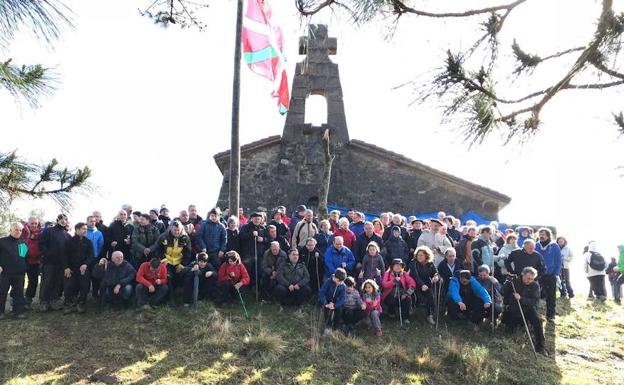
(343, 231)
(425, 274)
(595, 270)
(378, 227)
(511, 244)
(566, 258)
(324, 238)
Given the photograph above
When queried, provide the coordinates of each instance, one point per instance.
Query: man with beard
(551, 252)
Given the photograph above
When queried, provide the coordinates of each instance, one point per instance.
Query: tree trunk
(234, 193)
(327, 167)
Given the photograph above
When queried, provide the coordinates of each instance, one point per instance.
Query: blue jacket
(330, 292)
(212, 237)
(97, 238)
(357, 228)
(552, 257)
(477, 289)
(334, 259)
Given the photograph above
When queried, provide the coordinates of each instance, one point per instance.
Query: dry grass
(277, 346)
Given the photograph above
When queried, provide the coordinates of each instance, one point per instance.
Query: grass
(281, 346)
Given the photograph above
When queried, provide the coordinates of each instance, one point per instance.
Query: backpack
(597, 261)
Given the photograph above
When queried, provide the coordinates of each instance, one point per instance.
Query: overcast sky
(147, 107)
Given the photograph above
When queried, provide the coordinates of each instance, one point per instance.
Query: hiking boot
(430, 320)
(378, 333)
(541, 350)
(81, 309)
(44, 307)
(68, 309)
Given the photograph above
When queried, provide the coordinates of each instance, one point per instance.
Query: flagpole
(234, 193)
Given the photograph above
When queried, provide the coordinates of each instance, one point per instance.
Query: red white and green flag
(263, 49)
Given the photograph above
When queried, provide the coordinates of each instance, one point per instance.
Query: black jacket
(395, 248)
(361, 243)
(521, 259)
(118, 232)
(247, 241)
(104, 230)
(233, 241)
(115, 275)
(13, 255)
(52, 243)
(422, 274)
(412, 240)
(388, 232)
(78, 252)
(529, 295)
(445, 273)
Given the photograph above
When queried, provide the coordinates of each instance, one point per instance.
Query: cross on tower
(317, 44)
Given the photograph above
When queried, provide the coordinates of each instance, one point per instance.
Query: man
(52, 244)
(441, 216)
(482, 250)
(252, 244)
(396, 222)
(325, 237)
(435, 240)
(273, 258)
(212, 238)
(463, 249)
(99, 223)
(594, 266)
(292, 281)
(452, 229)
(120, 232)
(76, 260)
(117, 279)
(384, 218)
(338, 256)
(95, 236)
(271, 235)
(467, 299)
(151, 288)
(396, 247)
(143, 237)
(312, 257)
(164, 216)
(128, 209)
(524, 292)
(304, 229)
(193, 217)
(493, 288)
(174, 247)
(184, 218)
(206, 275)
(362, 241)
(357, 226)
(448, 269)
(551, 252)
(280, 225)
(526, 256)
(297, 216)
(33, 259)
(414, 235)
(13, 252)
(351, 215)
(135, 218)
(155, 221)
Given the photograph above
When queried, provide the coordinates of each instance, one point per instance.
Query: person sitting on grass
(398, 288)
(293, 281)
(332, 297)
(117, 279)
(206, 278)
(151, 288)
(353, 309)
(231, 278)
(424, 272)
(467, 299)
(372, 300)
(526, 291)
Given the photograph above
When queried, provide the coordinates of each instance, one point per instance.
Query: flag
(263, 49)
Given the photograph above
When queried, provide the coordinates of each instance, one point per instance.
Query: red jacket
(347, 236)
(240, 274)
(31, 238)
(406, 281)
(146, 278)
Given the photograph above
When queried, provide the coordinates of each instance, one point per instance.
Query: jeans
(566, 287)
(156, 298)
(124, 295)
(351, 317)
(375, 321)
(51, 283)
(16, 282)
(77, 285)
(549, 288)
(392, 304)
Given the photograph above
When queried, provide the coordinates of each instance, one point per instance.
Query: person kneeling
(151, 289)
(398, 288)
(117, 279)
(524, 291)
(203, 274)
(467, 299)
(353, 309)
(293, 281)
(332, 297)
(232, 277)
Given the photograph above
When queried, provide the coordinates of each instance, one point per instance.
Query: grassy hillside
(280, 346)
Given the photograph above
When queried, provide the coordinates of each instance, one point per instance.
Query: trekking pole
(318, 279)
(256, 263)
(399, 301)
(242, 303)
(195, 283)
(439, 288)
(330, 317)
(526, 327)
(493, 301)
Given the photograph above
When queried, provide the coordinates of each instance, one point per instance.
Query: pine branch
(608, 71)
(27, 82)
(402, 8)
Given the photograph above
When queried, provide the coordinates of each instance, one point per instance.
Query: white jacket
(587, 256)
(566, 256)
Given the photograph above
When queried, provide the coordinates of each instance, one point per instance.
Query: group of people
(358, 269)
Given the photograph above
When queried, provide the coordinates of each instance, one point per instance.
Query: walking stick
(318, 279)
(526, 327)
(242, 303)
(330, 317)
(493, 302)
(256, 263)
(399, 301)
(195, 283)
(439, 288)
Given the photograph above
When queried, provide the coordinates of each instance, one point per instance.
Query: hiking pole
(256, 263)
(438, 286)
(318, 279)
(399, 301)
(242, 303)
(493, 301)
(330, 317)
(526, 327)
(195, 283)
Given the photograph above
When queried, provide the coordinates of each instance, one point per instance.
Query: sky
(147, 107)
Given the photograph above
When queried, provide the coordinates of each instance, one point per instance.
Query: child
(372, 264)
(614, 275)
(232, 277)
(372, 301)
(332, 297)
(353, 308)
